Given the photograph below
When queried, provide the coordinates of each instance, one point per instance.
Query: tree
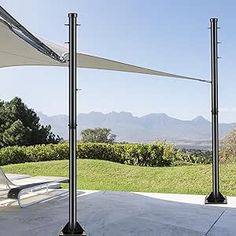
(20, 125)
(228, 147)
(98, 135)
(15, 134)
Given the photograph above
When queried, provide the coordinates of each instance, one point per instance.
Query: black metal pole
(215, 196)
(73, 227)
(72, 120)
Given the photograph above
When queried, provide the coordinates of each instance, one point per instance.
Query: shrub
(47, 152)
(228, 148)
(196, 156)
(156, 154)
(12, 155)
(136, 154)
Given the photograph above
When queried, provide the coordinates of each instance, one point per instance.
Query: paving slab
(106, 213)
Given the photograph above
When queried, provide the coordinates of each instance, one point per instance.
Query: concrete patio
(105, 213)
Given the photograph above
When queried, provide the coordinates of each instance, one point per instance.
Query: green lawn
(104, 175)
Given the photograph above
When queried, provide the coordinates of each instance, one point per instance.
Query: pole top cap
(72, 15)
(214, 19)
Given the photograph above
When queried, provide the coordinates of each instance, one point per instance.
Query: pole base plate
(211, 199)
(79, 231)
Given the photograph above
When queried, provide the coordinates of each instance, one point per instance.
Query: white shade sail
(18, 47)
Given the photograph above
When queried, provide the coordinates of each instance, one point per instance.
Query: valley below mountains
(191, 134)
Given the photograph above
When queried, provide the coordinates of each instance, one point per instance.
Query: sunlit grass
(104, 175)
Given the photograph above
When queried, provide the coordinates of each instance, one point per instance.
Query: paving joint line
(215, 222)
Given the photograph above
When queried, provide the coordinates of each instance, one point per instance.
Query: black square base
(79, 231)
(212, 200)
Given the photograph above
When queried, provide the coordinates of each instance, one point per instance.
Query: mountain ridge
(145, 129)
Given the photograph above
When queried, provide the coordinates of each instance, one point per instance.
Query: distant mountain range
(194, 133)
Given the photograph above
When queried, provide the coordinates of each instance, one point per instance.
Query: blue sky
(166, 35)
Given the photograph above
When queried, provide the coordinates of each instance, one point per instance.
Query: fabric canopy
(18, 47)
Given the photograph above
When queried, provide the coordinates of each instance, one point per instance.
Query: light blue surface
(167, 35)
(107, 213)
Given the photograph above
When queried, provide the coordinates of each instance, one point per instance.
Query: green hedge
(196, 156)
(157, 154)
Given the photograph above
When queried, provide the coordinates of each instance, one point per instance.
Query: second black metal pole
(215, 196)
(72, 119)
(73, 227)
